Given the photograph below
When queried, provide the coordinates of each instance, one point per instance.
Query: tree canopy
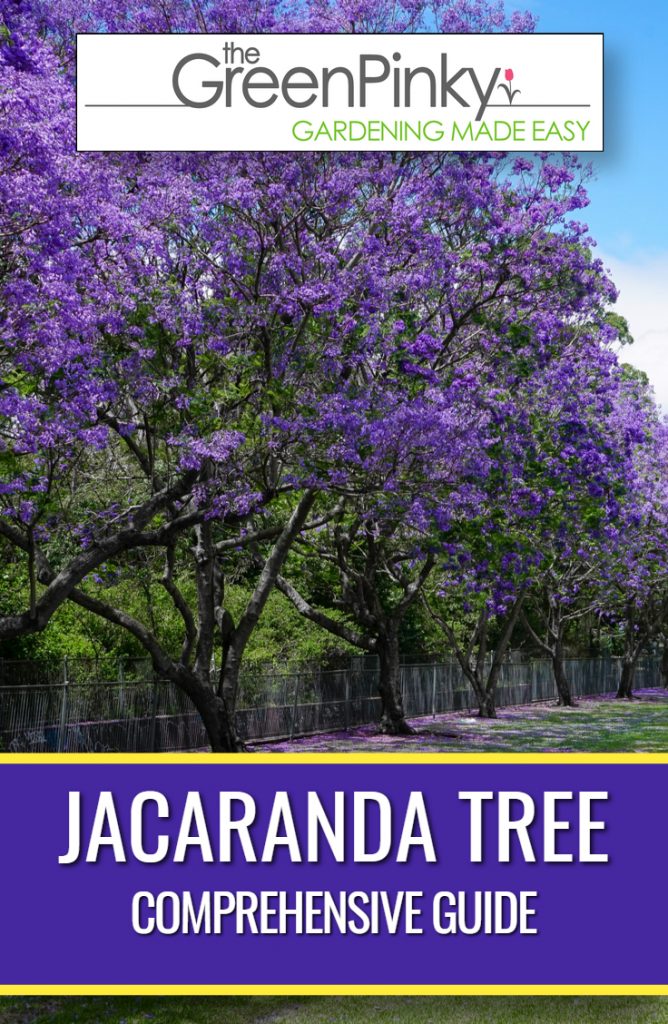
(215, 365)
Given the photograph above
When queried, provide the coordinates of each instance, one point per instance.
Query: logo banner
(277, 92)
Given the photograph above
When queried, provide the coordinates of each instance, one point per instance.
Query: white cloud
(643, 300)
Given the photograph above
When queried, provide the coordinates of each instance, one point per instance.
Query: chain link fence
(73, 708)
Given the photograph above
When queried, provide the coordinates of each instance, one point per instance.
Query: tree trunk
(218, 719)
(484, 700)
(229, 677)
(393, 721)
(486, 703)
(664, 664)
(235, 639)
(564, 696)
(220, 727)
(625, 690)
(485, 689)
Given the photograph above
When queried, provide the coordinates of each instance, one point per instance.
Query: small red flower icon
(511, 93)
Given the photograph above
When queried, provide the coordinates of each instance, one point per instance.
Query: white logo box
(492, 92)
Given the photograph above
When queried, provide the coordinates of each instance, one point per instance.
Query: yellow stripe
(333, 990)
(351, 758)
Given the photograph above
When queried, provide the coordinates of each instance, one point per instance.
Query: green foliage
(634, 374)
(620, 324)
(283, 636)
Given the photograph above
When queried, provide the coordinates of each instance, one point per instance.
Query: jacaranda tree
(203, 353)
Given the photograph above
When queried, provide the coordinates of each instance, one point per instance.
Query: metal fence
(73, 709)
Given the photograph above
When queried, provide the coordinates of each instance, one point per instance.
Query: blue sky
(628, 214)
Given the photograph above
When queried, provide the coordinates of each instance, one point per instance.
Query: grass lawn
(597, 724)
(332, 1010)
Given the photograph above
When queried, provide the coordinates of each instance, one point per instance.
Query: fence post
(346, 706)
(63, 708)
(120, 671)
(294, 708)
(154, 717)
(433, 691)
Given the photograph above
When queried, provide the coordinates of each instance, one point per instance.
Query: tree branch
(59, 585)
(320, 619)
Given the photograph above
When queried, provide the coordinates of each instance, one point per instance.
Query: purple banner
(251, 873)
